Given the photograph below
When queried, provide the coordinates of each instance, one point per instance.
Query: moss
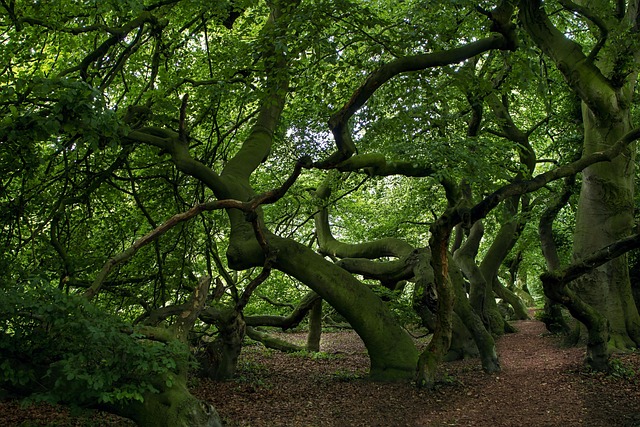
(175, 406)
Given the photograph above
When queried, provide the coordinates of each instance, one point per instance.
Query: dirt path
(541, 384)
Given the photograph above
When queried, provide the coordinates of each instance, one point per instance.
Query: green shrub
(60, 348)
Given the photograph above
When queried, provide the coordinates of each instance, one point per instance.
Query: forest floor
(541, 383)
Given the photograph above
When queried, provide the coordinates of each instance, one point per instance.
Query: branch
(376, 164)
(117, 35)
(182, 127)
(387, 271)
(580, 73)
(545, 226)
(192, 309)
(594, 260)
(338, 123)
(480, 210)
(272, 342)
(255, 149)
(249, 207)
(286, 322)
(602, 26)
(329, 245)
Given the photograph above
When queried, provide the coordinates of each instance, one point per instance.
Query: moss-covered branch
(481, 209)
(329, 245)
(504, 39)
(583, 76)
(286, 322)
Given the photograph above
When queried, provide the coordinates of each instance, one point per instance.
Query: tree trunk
(504, 241)
(605, 209)
(469, 337)
(315, 326)
(220, 357)
(391, 350)
(605, 214)
(433, 354)
(483, 340)
(174, 406)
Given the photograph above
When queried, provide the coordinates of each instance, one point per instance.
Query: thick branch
(581, 74)
(375, 164)
(286, 322)
(250, 207)
(256, 147)
(272, 342)
(338, 123)
(595, 260)
(329, 245)
(103, 49)
(545, 226)
(386, 271)
(480, 210)
(587, 13)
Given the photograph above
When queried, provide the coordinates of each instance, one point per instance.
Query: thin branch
(480, 210)
(249, 207)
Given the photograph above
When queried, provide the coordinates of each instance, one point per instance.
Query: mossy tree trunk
(605, 82)
(606, 204)
(315, 326)
(392, 352)
(173, 406)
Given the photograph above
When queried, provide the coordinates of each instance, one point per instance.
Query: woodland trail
(541, 384)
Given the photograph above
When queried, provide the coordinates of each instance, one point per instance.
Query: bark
(174, 406)
(391, 350)
(315, 326)
(462, 344)
(272, 342)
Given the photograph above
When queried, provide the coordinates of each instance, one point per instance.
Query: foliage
(623, 371)
(60, 348)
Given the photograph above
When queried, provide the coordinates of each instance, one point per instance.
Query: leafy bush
(60, 348)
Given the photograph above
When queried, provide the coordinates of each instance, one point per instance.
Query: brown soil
(541, 384)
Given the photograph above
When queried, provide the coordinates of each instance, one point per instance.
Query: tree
(604, 81)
